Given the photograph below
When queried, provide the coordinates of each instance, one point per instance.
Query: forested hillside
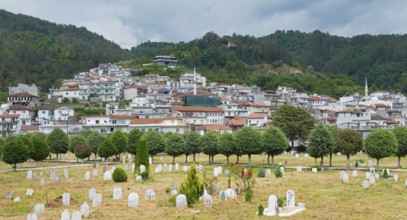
(41, 52)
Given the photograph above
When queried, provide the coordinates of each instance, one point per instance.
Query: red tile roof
(255, 116)
(9, 115)
(22, 94)
(30, 127)
(142, 121)
(20, 107)
(214, 127)
(315, 98)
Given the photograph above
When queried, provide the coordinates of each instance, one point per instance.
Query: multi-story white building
(63, 113)
(200, 115)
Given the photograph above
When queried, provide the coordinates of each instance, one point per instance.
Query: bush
(356, 164)
(278, 172)
(301, 149)
(248, 194)
(82, 151)
(15, 151)
(260, 210)
(261, 173)
(280, 201)
(119, 175)
(385, 174)
(192, 188)
(142, 159)
(145, 175)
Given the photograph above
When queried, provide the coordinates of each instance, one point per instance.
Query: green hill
(41, 52)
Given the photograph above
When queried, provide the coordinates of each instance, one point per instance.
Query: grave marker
(66, 215)
(290, 197)
(181, 201)
(76, 215)
(39, 209)
(117, 193)
(92, 193)
(85, 209)
(149, 194)
(29, 192)
(87, 175)
(133, 200)
(29, 174)
(97, 200)
(272, 206)
(66, 199)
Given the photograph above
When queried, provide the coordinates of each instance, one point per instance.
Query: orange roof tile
(30, 127)
(140, 121)
(254, 116)
(214, 127)
(9, 115)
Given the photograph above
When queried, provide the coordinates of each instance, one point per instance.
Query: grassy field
(324, 195)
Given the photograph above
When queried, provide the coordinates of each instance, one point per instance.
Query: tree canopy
(58, 142)
(349, 142)
(226, 145)
(274, 142)
(380, 144)
(248, 141)
(209, 144)
(400, 133)
(134, 137)
(320, 142)
(15, 151)
(175, 146)
(155, 142)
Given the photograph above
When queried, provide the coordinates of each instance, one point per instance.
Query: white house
(200, 115)
(63, 113)
(257, 120)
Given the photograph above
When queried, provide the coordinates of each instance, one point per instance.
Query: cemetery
(74, 191)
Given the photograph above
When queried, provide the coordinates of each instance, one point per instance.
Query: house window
(97, 121)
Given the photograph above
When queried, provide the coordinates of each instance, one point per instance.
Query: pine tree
(192, 188)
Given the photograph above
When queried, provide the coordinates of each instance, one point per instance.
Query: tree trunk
(272, 160)
(57, 158)
(268, 159)
(77, 160)
(15, 167)
(209, 159)
(292, 144)
(347, 162)
(377, 164)
(38, 163)
(322, 162)
(250, 159)
(237, 158)
(194, 157)
(213, 157)
(95, 157)
(186, 158)
(316, 164)
(173, 159)
(152, 159)
(227, 160)
(399, 157)
(330, 160)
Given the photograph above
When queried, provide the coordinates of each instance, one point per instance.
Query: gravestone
(341, 174)
(314, 170)
(354, 173)
(76, 215)
(66, 199)
(39, 209)
(372, 170)
(367, 175)
(185, 168)
(8, 195)
(29, 174)
(396, 178)
(165, 167)
(142, 168)
(268, 173)
(222, 195)
(42, 182)
(377, 176)
(139, 178)
(85, 209)
(107, 176)
(181, 201)
(133, 200)
(160, 167)
(117, 193)
(365, 184)
(156, 170)
(87, 175)
(127, 167)
(214, 188)
(272, 206)
(231, 194)
(149, 194)
(17, 199)
(32, 216)
(220, 170)
(170, 168)
(33, 176)
(133, 167)
(97, 200)
(66, 215)
(299, 169)
(57, 178)
(104, 169)
(215, 171)
(95, 172)
(227, 172)
(290, 198)
(29, 192)
(200, 167)
(176, 167)
(372, 180)
(53, 174)
(97, 164)
(66, 173)
(345, 178)
(150, 160)
(370, 162)
(92, 193)
(208, 201)
(161, 158)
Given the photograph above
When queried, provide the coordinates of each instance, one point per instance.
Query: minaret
(366, 90)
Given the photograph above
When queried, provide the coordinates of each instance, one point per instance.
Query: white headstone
(227, 172)
(181, 201)
(157, 170)
(314, 170)
(231, 193)
(200, 167)
(29, 192)
(297, 156)
(29, 174)
(66, 215)
(215, 171)
(354, 173)
(220, 170)
(165, 167)
(341, 174)
(117, 193)
(32, 216)
(272, 206)
(268, 172)
(170, 168)
(133, 200)
(176, 167)
(87, 175)
(53, 174)
(8, 195)
(95, 172)
(39, 209)
(76, 215)
(222, 195)
(133, 167)
(66, 173)
(97, 200)
(372, 180)
(66, 199)
(365, 184)
(370, 162)
(17, 199)
(85, 209)
(150, 160)
(107, 175)
(367, 175)
(396, 178)
(142, 168)
(185, 168)
(139, 178)
(92, 193)
(290, 197)
(208, 201)
(345, 178)
(377, 176)
(299, 169)
(126, 167)
(160, 167)
(149, 194)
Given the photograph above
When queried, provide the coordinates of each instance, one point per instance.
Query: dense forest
(41, 52)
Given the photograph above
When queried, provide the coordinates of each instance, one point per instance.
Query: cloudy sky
(131, 22)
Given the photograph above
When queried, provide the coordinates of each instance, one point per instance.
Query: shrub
(301, 149)
(260, 210)
(385, 174)
(119, 175)
(229, 181)
(278, 172)
(261, 173)
(248, 194)
(82, 151)
(145, 175)
(192, 188)
(280, 201)
(356, 164)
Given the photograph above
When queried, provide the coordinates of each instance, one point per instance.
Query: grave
(17, 199)
(76, 215)
(165, 167)
(208, 201)
(87, 175)
(156, 170)
(215, 171)
(41, 173)
(297, 156)
(181, 201)
(92, 193)
(42, 182)
(345, 178)
(127, 167)
(97, 200)
(85, 209)
(66, 199)
(32, 216)
(133, 200)
(299, 169)
(354, 173)
(377, 176)
(107, 176)
(39, 209)
(372, 180)
(95, 172)
(29, 174)
(200, 167)
(149, 194)
(176, 166)
(142, 168)
(222, 195)
(290, 198)
(104, 169)
(160, 167)
(53, 174)
(271, 210)
(170, 168)
(8, 195)
(139, 178)
(29, 192)
(367, 175)
(405, 183)
(227, 172)
(370, 163)
(66, 173)
(66, 215)
(185, 168)
(365, 184)
(396, 178)
(291, 209)
(133, 167)
(231, 193)
(117, 193)
(372, 170)
(314, 170)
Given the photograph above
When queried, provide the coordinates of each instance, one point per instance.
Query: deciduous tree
(400, 133)
(226, 145)
(320, 143)
(380, 144)
(248, 141)
(274, 142)
(58, 142)
(349, 142)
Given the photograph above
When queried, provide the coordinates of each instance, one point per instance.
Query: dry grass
(323, 193)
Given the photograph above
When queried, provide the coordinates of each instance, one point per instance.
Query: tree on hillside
(134, 137)
(320, 143)
(15, 151)
(95, 140)
(175, 146)
(58, 142)
(295, 122)
(349, 142)
(226, 145)
(155, 142)
(192, 140)
(400, 133)
(40, 147)
(334, 130)
(119, 140)
(380, 144)
(274, 142)
(248, 141)
(209, 145)
(142, 159)
(107, 149)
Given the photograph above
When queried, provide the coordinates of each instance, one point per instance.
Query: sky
(131, 22)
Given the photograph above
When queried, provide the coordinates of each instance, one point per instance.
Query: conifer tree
(192, 188)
